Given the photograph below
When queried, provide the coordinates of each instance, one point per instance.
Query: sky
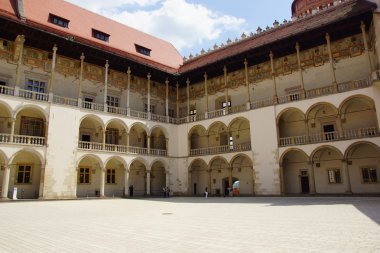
(192, 25)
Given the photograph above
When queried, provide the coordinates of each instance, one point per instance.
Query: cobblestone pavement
(321, 224)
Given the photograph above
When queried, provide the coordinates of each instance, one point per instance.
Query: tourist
(206, 193)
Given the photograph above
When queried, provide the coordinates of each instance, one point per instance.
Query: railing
(29, 140)
(158, 152)
(116, 148)
(138, 150)
(65, 101)
(7, 90)
(90, 145)
(353, 85)
(262, 103)
(92, 106)
(5, 138)
(290, 98)
(215, 114)
(140, 115)
(158, 118)
(117, 110)
(221, 149)
(28, 94)
(237, 109)
(329, 136)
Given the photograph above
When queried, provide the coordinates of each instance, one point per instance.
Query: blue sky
(191, 25)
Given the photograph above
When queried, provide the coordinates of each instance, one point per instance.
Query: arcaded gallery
(90, 107)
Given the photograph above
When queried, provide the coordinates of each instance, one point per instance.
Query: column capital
(167, 81)
(327, 37)
(297, 46)
(177, 85)
(82, 57)
(148, 171)
(149, 76)
(225, 69)
(205, 76)
(362, 26)
(107, 65)
(188, 81)
(245, 62)
(271, 55)
(55, 48)
(129, 71)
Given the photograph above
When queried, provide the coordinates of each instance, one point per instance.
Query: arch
(91, 156)
(119, 121)
(92, 116)
(233, 121)
(215, 124)
(9, 110)
(353, 146)
(139, 124)
(315, 106)
(349, 99)
(117, 158)
(159, 160)
(3, 157)
(240, 155)
(31, 106)
(218, 158)
(28, 150)
(164, 131)
(194, 128)
(195, 161)
(286, 152)
(141, 160)
(286, 110)
(312, 156)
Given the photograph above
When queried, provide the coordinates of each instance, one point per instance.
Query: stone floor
(321, 224)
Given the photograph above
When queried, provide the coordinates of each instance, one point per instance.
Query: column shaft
(5, 183)
(102, 181)
(148, 183)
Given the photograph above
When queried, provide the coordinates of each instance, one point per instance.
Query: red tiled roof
(333, 14)
(122, 38)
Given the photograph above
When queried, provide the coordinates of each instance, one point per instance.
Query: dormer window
(100, 35)
(143, 50)
(59, 21)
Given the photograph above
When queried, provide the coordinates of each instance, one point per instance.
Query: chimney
(20, 10)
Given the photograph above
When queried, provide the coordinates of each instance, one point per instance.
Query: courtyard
(263, 224)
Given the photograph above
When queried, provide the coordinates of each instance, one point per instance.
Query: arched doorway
(89, 177)
(296, 173)
(199, 178)
(137, 177)
(30, 126)
(220, 170)
(91, 133)
(116, 136)
(292, 128)
(115, 177)
(239, 135)
(138, 139)
(242, 176)
(157, 178)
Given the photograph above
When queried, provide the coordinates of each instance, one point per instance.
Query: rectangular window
(59, 21)
(32, 126)
(112, 136)
(100, 35)
(36, 86)
(334, 176)
(113, 101)
(24, 174)
(143, 50)
(111, 176)
(84, 175)
(152, 108)
(171, 113)
(369, 175)
(224, 104)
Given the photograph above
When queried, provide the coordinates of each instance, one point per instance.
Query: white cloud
(184, 24)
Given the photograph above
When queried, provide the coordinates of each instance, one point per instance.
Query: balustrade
(65, 101)
(221, 149)
(92, 106)
(28, 94)
(7, 90)
(117, 110)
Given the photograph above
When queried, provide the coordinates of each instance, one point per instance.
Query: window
(84, 175)
(24, 174)
(100, 35)
(113, 101)
(334, 176)
(112, 136)
(193, 112)
(143, 50)
(32, 126)
(152, 108)
(171, 113)
(36, 86)
(369, 175)
(59, 21)
(111, 176)
(224, 104)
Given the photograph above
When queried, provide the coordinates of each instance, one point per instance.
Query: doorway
(329, 130)
(305, 187)
(195, 190)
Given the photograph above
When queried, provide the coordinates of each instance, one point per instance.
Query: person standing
(206, 193)
(131, 191)
(164, 191)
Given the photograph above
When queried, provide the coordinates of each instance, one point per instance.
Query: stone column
(275, 97)
(5, 183)
(148, 182)
(102, 181)
(167, 145)
(300, 71)
(347, 178)
(167, 179)
(177, 101)
(167, 100)
(148, 144)
(104, 139)
(312, 179)
(20, 41)
(52, 73)
(188, 96)
(189, 182)
(42, 183)
(12, 129)
(247, 83)
(128, 90)
(226, 87)
(148, 102)
(362, 27)
(206, 94)
(209, 172)
(126, 182)
(230, 177)
(80, 80)
(331, 59)
(282, 181)
(106, 86)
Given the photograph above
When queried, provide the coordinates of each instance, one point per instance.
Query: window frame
(84, 173)
(111, 176)
(30, 85)
(28, 121)
(370, 179)
(337, 174)
(100, 35)
(143, 50)
(23, 178)
(115, 102)
(59, 21)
